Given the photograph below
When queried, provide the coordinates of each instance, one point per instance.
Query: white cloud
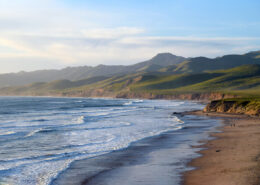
(110, 46)
(112, 33)
(43, 33)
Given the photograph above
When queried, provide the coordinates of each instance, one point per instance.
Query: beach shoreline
(232, 158)
(160, 159)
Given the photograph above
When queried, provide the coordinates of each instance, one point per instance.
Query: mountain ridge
(164, 74)
(241, 80)
(82, 72)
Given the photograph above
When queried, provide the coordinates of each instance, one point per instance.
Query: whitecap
(178, 120)
(80, 119)
(128, 103)
(138, 101)
(33, 132)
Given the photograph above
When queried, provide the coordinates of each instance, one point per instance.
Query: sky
(52, 34)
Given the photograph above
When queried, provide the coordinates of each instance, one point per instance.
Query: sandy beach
(232, 158)
(229, 157)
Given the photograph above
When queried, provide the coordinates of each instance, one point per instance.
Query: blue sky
(57, 33)
(181, 17)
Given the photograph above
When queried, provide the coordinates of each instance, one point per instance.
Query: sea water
(41, 136)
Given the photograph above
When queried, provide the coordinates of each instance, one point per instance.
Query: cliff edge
(235, 106)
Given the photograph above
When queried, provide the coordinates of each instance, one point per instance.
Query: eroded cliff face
(235, 107)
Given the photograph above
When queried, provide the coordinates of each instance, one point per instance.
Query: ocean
(41, 138)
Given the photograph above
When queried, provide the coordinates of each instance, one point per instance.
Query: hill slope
(78, 73)
(165, 63)
(242, 80)
(202, 64)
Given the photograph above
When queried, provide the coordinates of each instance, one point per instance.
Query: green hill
(202, 64)
(162, 63)
(226, 74)
(82, 72)
(240, 80)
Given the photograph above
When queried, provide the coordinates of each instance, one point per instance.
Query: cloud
(112, 33)
(113, 46)
(46, 33)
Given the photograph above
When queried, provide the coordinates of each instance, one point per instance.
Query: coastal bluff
(235, 106)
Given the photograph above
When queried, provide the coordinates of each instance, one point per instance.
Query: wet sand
(231, 159)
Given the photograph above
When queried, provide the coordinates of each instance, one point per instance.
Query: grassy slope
(203, 64)
(243, 80)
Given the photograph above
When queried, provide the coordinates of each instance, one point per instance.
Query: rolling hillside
(162, 63)
(239, 80)
(202, 64)
(231, 74)
(82, 72)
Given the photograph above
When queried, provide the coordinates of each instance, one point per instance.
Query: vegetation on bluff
(249, 106)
